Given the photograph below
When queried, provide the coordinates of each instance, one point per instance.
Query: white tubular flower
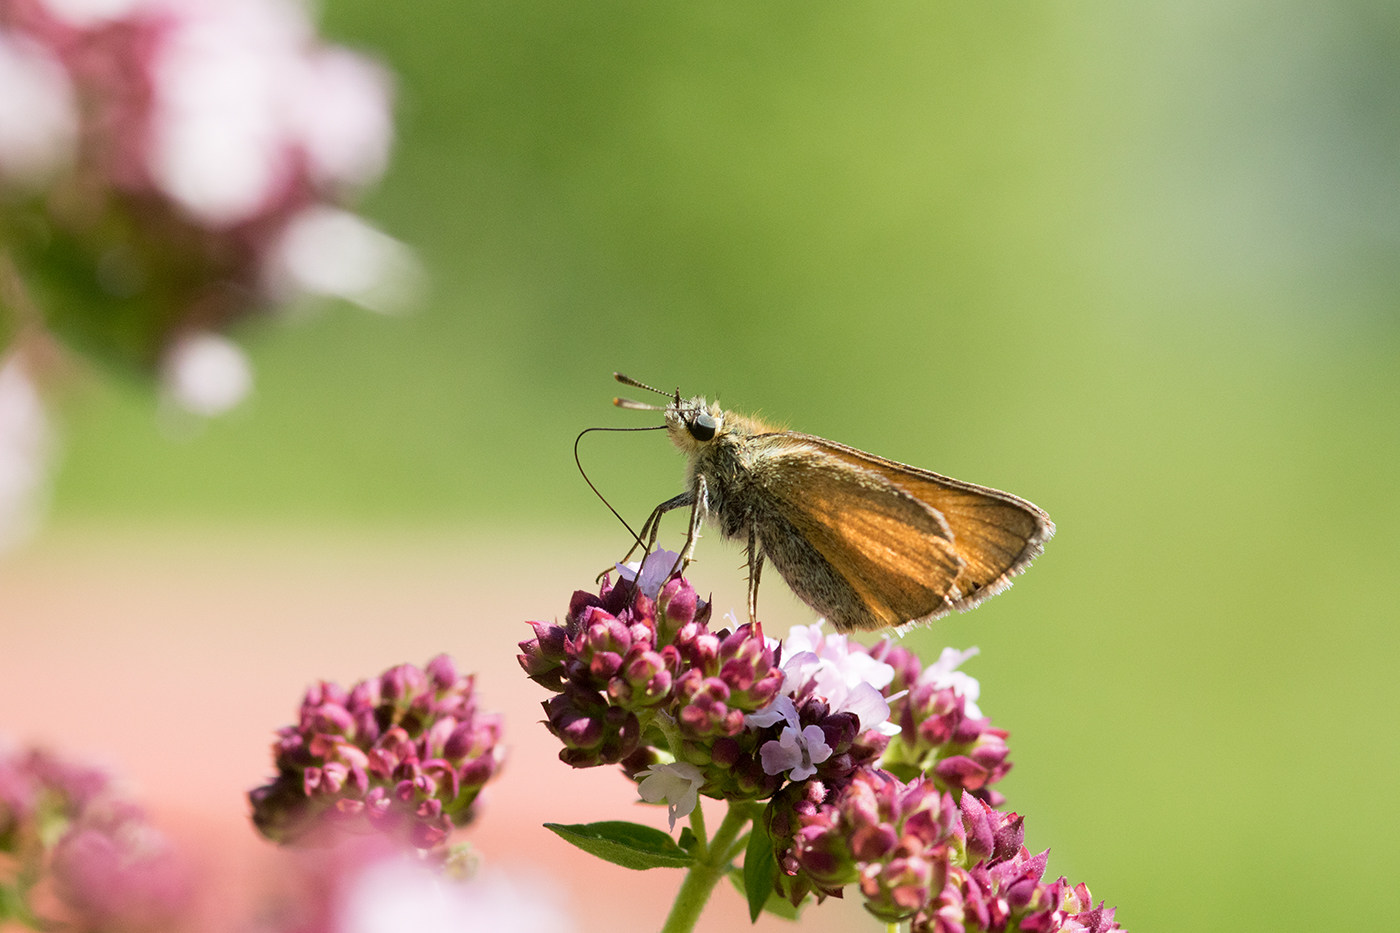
(944, 673)
(677, 784)
(849, 680)
(835, 663)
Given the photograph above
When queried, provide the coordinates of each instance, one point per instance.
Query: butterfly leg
(755, 570)
(651, 528)
(697, 515)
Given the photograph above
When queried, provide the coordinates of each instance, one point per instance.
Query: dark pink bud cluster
(624, 663)
(1008, 893)
(404, 754)
(802, 810)
(64, 830)
(992, 836)
(937, 737)
(900, 834)
(915, 854)
(894, 839)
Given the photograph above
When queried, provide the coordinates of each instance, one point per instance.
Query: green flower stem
(740, 844)
(708, 869)
(697, 826)
(667, 726)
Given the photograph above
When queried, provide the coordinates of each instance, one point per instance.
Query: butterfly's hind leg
(755, 551)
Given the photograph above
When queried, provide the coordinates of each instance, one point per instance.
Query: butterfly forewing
(995, 533)
(907, 545)
(894, 552)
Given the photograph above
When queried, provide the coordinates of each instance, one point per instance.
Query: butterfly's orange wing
(913, 544)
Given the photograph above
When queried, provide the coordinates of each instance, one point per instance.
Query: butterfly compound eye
(703, 427)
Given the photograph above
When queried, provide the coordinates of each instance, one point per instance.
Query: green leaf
(777, 905)
(688, 839)
(630, 845)
(759, 870)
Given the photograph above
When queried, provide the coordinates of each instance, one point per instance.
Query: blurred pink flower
(121, 874)
(64, 829)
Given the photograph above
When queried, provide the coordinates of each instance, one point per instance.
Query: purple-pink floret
(936, 736)
(404, 754)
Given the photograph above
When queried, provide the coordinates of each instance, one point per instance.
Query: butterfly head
(693, 423)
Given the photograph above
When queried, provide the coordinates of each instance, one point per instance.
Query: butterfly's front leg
(651, 528)
(697, 515)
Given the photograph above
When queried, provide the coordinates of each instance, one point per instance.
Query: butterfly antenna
(636, 406)
(579, 463)
(629, 381)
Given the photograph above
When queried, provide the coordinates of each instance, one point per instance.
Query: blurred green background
(1137, 263)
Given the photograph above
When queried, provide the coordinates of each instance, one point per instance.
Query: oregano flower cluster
(404, 754)
(858, 766)
(640, 680)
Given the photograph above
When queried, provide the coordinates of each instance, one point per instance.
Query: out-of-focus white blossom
(243, 94)
(327, 251)
(24, 452)
(38, 119)
(207, 374)
(339, 111)
(402, 896)
(89, 13)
